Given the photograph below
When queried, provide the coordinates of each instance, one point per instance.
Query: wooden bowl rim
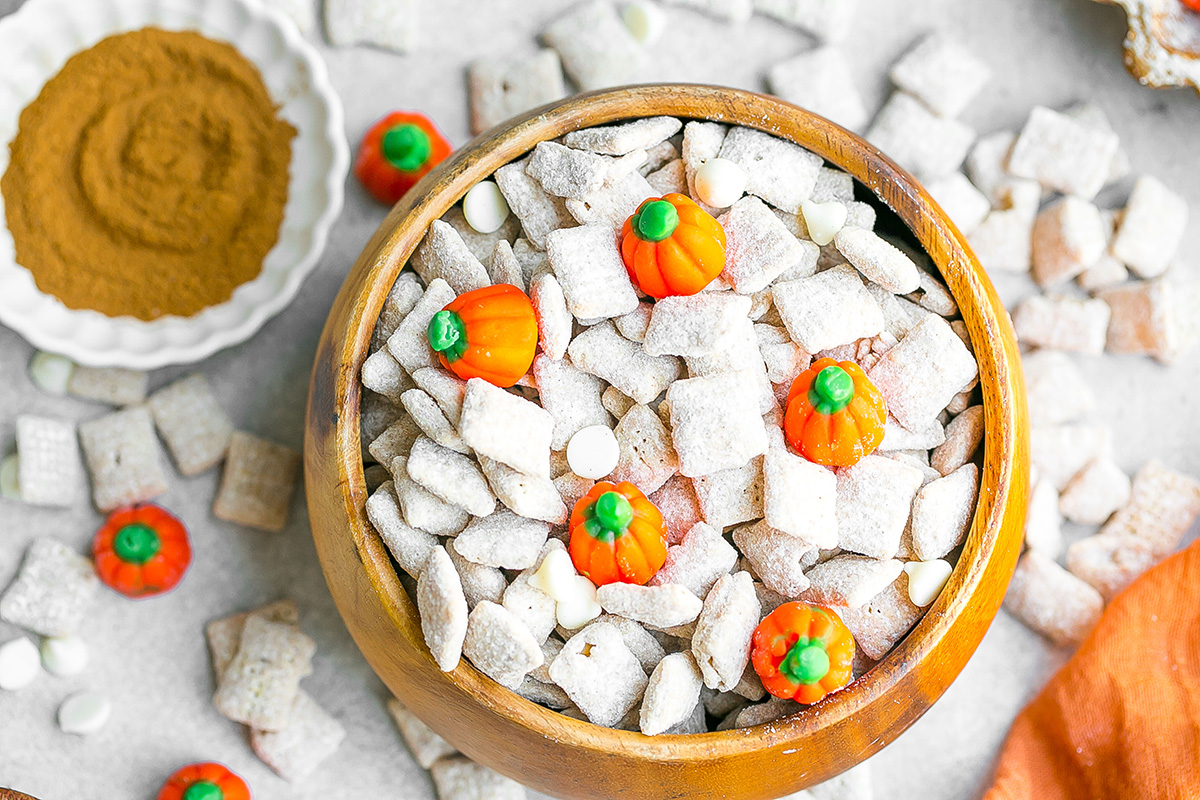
(1005, 456)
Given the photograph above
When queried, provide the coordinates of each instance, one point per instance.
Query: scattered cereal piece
(671, 694)
(778, 558)
(883, 621)
(597, 49)
(606, 354)
(499, 644)
(966, 206)
(942, 512)
(645, 455)
(527, 495)
(942, 74)
(392, 26)
(760, 248)
(443, 254)
(780, 172)
(828, 309)
(1095, 493)
(714, 424)
(260, 684)
(502, 88)
(1063, 323)
(397, 440)
(742, 358)
(1056, 388)
(1059, 452)
(1003, 242)
(721, 643)
(928, 146)
(671, 178)
(64, 657)
(52, 591)
(111, 385)
(19, 663)
(878, 260)
(897, 437)
(617, 140)
(377, 415)
(123, 458)
(461, 779)
(1051, 600)
(1147, 318)
(783, 359)
(827, 20)
(451, 476)
(920, 375)
(539, 212)
(257, 483)
(1111, 561)
(677, 501)
(502, 540)
(443, 609)
(848, 580)
(730, 496)
(409, 344)
(408, 545)
(1063, 154)
(572, 397)
(508, 428)
(503, 266)
(588, 265)
(50, 373)
(424, 411)
(1162, 506)
(311, 735)
(963, 436)
(698, 561)
(820, 80)
(699, 325)
(84, 713)
(600, 673)
(661, 606)
(1067, 236)
(873, 501)
(479, 582)
(987, 164)
(1043, 522)
(380, 373)
(577, 174)
(926, 579)
(225, 635)
(49, 471)
(445, 388)
(532, 606)
(799, 498)
(1151, 228)
(425, 745)
(405, 292)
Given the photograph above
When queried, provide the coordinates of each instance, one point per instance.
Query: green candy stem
(831, 391)
(611, 515)
(407, 147)
(656, 221)
(136, 543)
(203, 790)
(806, 663)
(447, 335)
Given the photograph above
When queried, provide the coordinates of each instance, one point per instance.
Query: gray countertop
(150, 656)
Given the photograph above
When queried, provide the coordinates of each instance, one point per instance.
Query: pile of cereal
(666, 416)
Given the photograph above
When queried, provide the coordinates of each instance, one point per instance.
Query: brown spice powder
(149, 177)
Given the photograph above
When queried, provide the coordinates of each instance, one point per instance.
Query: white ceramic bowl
(38, 39)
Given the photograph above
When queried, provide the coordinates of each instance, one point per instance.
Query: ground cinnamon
(149, 176)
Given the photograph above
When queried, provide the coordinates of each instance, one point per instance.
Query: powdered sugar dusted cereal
(606, 354)
(257, 483)
(225, 635)
(588, 266)
(873, 501)
(921, 374)
(1063, 154)
(1147, 318)
(878, 260)
(310, 736)
(714, 424)
(942, 74)
(500, 645)
(799, 497)
(1151, 228)
(111, 385)
(529, 496)
(828, 20)
(501, 88)
(1056, 388)
(929, 146)
(778, 171)
(539, 212)
(572, 397)
(600, 674)
(1063, 323)
(882, 622)
(193, 424)
(699, 325)
(443, 608)
(502, 540)
(664, 606)
(672, 692)
(849, 580)
(760, 248)
(721, 643)
(123, 458)
(1111, 561)
(351, 22)
(942, 511)
(49, 469)
(52, 591)
(1060, 451)
(424, 411)
(443, 254)
(966, 206)
(778, 558)
(408, 545)
(963, 436)
(259, 686)
(460, 779)
(1051, 600)
(828, 309)
(424, 744)
(506, 427)
(451, 476)
(596, 48)
(821, 81)
(646, 456)
(1162, 506)
(1068, 236)
(1095, 493)
(698, 561)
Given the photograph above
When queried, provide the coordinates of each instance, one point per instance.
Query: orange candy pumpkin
(488, 333)
(617, 535)
(802, 652)
(141, 550)
(835, 415)
(671, 246)
(204, 781)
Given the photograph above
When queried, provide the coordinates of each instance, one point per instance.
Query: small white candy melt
(484, 207)
(823, 220)
(578, 605)
(84, 713)
(10, 485)
(926, 579)
(720, 182)
(50, 373)
(64, 657)
(555, 575)
(19, 664)
(645, 21)
(593, 452)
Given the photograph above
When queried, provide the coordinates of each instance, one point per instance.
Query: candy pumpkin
(671, 246)
(834, 415)
(617, 535)
(141, 550)
(802, 652)
(204, 781)
(396, 152)
(488, 333)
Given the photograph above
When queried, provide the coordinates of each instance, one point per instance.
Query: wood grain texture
(571, 759)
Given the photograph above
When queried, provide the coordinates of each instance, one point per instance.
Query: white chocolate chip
(593, 452)
(645, 21)
(64, 657)
(84, 713)
(19, 664)
(823, 220)
(578, 605)
(484, 207)
(926, 579)
(50, 373)
(10, 486)
(720, 182)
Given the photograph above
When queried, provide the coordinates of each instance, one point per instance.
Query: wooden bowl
(561, 756)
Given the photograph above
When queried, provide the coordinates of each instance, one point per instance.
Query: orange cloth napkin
(1121, 719)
